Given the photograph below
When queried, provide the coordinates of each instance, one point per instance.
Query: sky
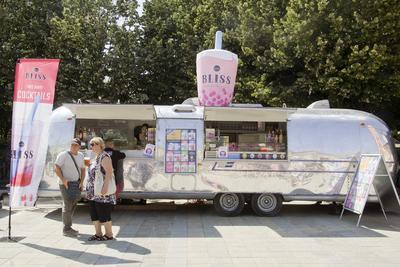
(140, 7)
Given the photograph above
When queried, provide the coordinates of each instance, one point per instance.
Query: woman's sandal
(96, 238)
(105, 238)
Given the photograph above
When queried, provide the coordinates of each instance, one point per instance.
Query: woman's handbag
(99, 181)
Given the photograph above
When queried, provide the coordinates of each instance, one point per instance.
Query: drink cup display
(87, 161)
(216, 74)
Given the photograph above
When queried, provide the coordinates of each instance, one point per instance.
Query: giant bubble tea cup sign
(216, 74)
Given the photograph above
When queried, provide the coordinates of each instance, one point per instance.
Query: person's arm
(107, 165)
(83, 170)
(60, 175)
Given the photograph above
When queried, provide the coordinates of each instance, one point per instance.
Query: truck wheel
(229, 204)
(266, 204)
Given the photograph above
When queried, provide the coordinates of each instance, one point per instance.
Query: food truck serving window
(246, 140)
(132, 136)
(245, 132)
(130, 127)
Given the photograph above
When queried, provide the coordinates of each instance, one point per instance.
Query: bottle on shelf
(269, 137)
(280, 139)
(84, 134)
(89, 135)
(80, 133)
(276, 138)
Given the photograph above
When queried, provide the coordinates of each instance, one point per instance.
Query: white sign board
(359, 189)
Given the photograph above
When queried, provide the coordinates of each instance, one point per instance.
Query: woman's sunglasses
(93, 144)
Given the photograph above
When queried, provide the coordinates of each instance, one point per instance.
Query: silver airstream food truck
(232, 155)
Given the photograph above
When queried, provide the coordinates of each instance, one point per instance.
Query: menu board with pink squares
(359, 189)
(180, 151)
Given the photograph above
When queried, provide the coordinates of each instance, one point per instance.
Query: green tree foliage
(93, 39)
(166, 55)
(24, 32)
(256, 29)
(121, 58)
(346, 51)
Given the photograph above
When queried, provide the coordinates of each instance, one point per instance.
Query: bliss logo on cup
(216, 77)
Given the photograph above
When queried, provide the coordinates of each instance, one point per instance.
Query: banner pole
(9, 221)
(9, 238)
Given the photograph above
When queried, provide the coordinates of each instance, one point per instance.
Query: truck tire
(229, 204)
(266, 204)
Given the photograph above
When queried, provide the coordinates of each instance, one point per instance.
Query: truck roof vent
(321, 104)
(192, 101)
(183, 108)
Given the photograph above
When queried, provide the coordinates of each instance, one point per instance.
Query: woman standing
(100, 206)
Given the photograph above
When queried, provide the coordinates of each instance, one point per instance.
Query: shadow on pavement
(313, 221)
(200, 220)
(80, 256)
(119, 245)
(4, 213)
(373, 218)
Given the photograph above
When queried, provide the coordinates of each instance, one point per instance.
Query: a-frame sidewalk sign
(371, 170)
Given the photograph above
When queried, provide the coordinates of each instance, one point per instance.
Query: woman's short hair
(99, 141)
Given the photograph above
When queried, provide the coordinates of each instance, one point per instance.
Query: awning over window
(112, 112)
(246, 114)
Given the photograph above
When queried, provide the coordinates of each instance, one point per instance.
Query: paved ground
(163, 234)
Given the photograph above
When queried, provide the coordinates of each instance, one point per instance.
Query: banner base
(15, 239)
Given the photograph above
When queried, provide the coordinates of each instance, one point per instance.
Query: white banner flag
(34, 87)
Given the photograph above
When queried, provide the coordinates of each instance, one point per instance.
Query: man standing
(116, 155)
(70, 169)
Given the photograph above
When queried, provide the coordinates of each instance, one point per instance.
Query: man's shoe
(70, 232)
